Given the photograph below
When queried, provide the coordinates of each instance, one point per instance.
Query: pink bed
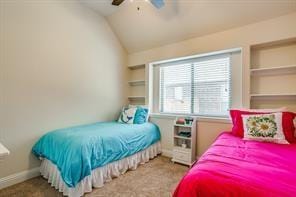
(234, 167)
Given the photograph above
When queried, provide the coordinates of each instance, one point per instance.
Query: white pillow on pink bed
(264, 127)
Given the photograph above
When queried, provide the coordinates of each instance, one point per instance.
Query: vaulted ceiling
(140, 26)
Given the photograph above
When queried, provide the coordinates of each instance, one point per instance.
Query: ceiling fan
(157, 3)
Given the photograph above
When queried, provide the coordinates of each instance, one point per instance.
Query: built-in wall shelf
(274, 70)
(139, 66)
(277, 96)
(137, 83)
(273, 43)
(136, 97)
(273, 74)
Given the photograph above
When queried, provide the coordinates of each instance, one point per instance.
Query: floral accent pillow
(264, 127)
(127, 115)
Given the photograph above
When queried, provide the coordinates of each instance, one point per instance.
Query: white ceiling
(182, 19)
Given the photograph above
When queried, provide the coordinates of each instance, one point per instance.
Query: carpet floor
(157, 178)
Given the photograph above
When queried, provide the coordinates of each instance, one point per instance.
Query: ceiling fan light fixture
(157, 3)
(117, 2)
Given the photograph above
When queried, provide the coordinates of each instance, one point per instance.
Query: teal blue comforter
(78, 150)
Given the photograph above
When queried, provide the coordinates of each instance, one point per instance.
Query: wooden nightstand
(184, 150)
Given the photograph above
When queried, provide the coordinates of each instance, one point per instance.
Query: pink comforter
(234, 167)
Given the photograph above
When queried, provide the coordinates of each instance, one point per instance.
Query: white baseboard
(19, 177)
(167, 153)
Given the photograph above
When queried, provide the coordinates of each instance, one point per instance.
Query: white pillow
(264, 127)
(127, 115)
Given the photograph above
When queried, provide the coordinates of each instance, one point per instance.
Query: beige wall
(283, 27)
(61, 65)
(207, 131)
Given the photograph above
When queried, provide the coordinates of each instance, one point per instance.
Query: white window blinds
(199, 86)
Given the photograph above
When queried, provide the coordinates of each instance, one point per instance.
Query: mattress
(234, 167)
(76, 151)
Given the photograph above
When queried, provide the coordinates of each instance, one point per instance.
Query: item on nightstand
(185, 133)
(188, 121)
(184, 145)
(180, 121)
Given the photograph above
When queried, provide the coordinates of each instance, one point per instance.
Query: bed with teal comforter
(76, 151)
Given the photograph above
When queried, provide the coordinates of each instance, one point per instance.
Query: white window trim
(226, 120)
(239, 49)
(150, 87)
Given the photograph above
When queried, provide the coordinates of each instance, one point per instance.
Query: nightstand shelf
(182, 137)
(179, 125)
(184, 150)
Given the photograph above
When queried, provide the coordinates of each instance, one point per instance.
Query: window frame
(153, 90)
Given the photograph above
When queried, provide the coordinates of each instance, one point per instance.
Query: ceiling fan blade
(117, 2)
(157, 3)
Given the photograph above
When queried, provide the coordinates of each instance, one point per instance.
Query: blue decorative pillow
(127, 115)
(141, 115)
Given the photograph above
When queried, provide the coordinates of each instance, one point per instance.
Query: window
(199, 86)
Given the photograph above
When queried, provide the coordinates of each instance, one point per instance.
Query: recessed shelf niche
(273, 75)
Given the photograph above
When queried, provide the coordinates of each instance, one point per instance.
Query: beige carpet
(157, 178)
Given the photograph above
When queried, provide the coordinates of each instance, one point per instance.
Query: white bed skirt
(99, 175)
